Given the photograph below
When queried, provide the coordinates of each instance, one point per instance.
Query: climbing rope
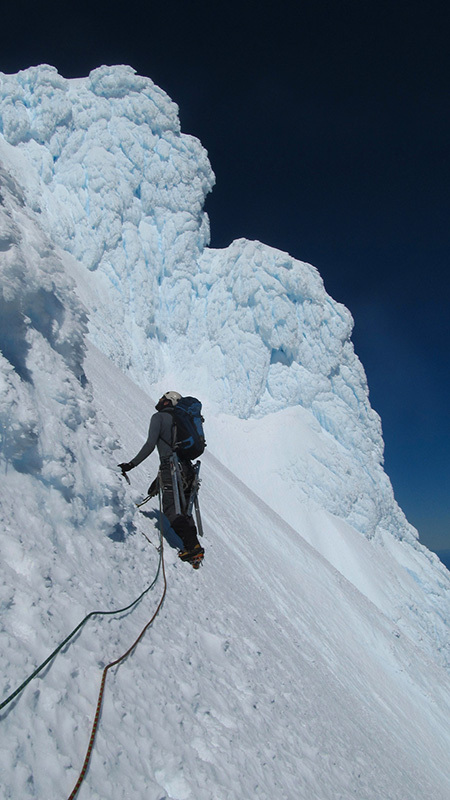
(161, 566)
(72, 634)
(103, 680)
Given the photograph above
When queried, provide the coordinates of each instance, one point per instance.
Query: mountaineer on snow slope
(177, 433)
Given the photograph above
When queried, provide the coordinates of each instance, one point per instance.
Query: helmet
(174, 397)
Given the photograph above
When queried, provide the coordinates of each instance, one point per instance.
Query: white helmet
(174, 397)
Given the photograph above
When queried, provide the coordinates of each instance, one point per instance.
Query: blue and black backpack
(189, 438)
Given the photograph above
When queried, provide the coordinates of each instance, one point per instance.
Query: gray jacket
(159, 435)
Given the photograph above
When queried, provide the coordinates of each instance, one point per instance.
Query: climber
(160, 435)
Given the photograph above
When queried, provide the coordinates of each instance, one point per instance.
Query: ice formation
(49, 427)
(331, 645)
(120, 188)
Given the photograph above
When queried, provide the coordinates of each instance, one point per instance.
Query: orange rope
(102, 685)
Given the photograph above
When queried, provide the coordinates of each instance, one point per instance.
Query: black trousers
(183, 525)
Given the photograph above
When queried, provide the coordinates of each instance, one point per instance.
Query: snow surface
(307, 658)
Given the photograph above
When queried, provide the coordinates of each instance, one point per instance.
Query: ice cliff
(48, 424)
(250, 329)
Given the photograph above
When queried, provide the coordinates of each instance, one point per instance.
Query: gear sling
(179, 478)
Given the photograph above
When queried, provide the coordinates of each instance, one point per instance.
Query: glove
(126, 466)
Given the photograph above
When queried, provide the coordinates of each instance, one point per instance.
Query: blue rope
(75, 630)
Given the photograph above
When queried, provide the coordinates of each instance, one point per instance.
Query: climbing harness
(179, 486)
(183, 505)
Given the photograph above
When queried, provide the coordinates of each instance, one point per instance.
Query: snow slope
(307, 658)
(266, 674)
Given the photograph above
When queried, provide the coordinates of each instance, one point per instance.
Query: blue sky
(327, 125)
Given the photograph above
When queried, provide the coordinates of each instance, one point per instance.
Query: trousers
(183, 525)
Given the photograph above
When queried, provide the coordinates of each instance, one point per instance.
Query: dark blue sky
(328, 127)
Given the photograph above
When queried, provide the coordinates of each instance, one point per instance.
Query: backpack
(189, 438)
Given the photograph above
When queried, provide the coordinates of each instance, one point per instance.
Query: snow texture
(309, 657)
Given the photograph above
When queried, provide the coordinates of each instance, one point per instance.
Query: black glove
(126, 466)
